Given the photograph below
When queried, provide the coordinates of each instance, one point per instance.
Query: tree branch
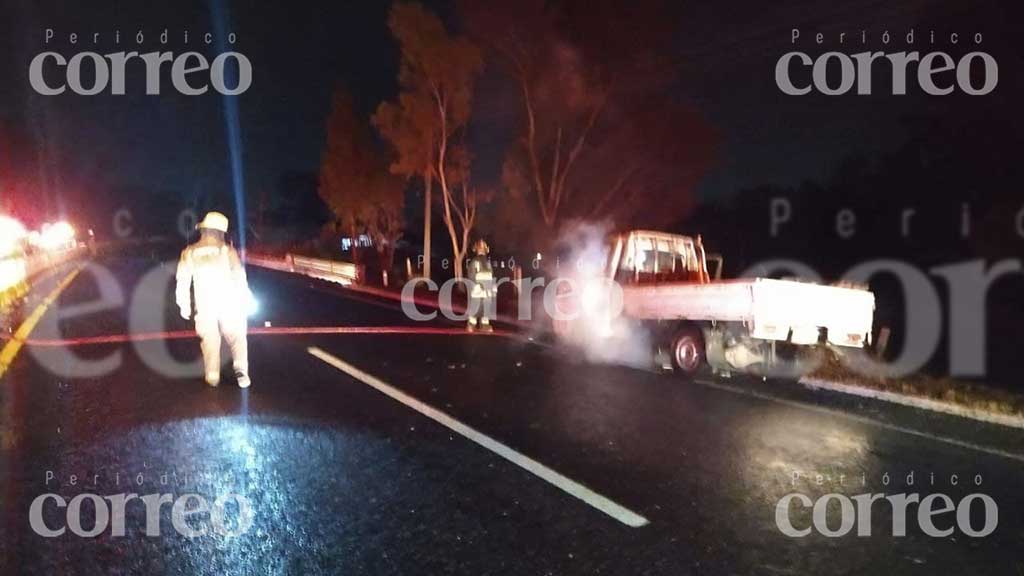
(554, 192)
(531, 147)
(611, 192)
(591, 120)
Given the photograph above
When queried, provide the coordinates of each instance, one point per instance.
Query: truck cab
(644, 257)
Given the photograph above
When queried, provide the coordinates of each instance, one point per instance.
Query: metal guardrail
(353, 277)
(271, 262)
(345, 273)
(39, 261)
(17, 271)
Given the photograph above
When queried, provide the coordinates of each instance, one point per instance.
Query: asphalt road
(455, 454)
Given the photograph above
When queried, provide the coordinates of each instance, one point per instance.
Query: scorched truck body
(732, 325)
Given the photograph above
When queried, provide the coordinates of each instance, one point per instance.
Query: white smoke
(599, 330)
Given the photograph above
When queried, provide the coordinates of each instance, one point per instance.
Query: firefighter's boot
(243, 378)
(485, 325)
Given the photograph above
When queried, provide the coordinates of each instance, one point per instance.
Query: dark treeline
(945, 196)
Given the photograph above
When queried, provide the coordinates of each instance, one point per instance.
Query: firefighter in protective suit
(221, 295)
(481, 295)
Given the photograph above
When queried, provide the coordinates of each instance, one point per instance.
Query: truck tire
(687, 349)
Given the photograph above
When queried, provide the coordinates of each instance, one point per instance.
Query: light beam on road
(231, 125)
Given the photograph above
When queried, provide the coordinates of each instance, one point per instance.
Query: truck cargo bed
(771, 309)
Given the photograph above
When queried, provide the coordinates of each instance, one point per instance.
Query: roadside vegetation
(956, 392)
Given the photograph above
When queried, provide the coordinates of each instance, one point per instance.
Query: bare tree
(549, 155)
(587, 146)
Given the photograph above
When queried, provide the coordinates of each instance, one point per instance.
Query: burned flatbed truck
(732, 325)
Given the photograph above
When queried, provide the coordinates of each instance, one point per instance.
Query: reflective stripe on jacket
(217, 276)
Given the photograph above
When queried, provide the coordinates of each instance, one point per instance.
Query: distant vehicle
(12, 261)
(732, 325)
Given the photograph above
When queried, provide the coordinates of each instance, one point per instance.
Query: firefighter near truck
(659, 285)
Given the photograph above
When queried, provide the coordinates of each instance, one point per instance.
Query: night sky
(142, 144)
(122, 148)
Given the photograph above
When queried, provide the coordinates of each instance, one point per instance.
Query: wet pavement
(342, 479)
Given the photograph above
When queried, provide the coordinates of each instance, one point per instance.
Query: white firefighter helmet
(214, 221)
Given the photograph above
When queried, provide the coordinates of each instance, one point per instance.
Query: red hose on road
(258, 331)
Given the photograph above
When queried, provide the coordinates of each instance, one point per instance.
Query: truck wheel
(687, 351)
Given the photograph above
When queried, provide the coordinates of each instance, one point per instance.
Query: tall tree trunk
(355, 242)
(389, 257)
(460, 265)
(428, 182)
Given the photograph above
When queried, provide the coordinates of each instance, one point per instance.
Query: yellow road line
(13, 346)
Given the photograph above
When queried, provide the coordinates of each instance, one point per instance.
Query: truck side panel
(721, 301)
(771, 309)
(783, 306)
